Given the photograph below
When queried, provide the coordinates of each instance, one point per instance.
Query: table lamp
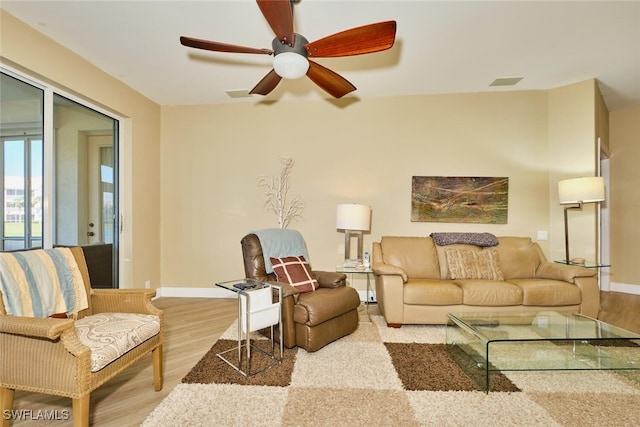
(353, 219)
(576, 192)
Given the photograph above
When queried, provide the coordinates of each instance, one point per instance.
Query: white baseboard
(212, 292)
(215, 292)
(624, 288)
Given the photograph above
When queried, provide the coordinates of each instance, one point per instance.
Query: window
(59, 167)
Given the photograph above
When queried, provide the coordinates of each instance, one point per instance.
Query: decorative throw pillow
(470, 264)
(295, 271)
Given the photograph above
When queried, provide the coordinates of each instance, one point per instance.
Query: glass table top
(242, 285)
(587, 264)
(540, 326)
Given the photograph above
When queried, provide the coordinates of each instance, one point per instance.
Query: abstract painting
(476, 200)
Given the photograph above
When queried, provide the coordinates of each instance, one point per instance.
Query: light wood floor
(192, 325)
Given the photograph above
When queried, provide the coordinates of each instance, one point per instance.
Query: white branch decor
(275, 196)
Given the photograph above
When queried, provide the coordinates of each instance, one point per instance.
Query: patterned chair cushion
(110, 335)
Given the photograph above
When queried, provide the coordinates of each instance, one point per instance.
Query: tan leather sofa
(414, 286)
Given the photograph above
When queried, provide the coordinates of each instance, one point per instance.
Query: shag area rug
(380, 376)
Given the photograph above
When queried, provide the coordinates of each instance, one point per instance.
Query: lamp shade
(290, 65)
(581, 190)
(350, 216)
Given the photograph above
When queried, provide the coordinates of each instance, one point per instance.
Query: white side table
(256, 311)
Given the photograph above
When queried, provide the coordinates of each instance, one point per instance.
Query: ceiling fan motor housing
(299, 43)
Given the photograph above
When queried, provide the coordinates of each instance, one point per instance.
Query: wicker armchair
(46, 355)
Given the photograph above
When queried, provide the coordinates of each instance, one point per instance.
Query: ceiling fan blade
(221, 47)
(356, 41)
(279, 15)
(336, 85)
(267, 84)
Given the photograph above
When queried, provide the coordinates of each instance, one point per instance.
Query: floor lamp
(576, 192)
(353, 219)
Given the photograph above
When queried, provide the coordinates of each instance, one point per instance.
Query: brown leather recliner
(310, 320)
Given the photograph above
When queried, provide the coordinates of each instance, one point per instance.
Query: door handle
(91, 234)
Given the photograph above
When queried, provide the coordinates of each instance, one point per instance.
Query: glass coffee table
(482, 343)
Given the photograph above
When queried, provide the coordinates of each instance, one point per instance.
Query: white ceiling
(441, 46)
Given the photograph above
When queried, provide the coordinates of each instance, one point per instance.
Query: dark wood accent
(99, 260)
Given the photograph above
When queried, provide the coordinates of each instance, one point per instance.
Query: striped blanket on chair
(41, 283)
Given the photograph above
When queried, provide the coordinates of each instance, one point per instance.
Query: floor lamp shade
(581, 190)
(575, 192)
(353, 219)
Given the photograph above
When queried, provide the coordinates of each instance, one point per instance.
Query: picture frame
(474, 200)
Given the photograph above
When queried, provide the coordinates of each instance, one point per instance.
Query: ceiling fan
(292, 51)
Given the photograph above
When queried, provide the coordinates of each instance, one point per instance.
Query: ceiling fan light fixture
(290, 65)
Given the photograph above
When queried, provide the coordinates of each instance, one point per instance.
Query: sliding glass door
(76, 180)
(21, 129)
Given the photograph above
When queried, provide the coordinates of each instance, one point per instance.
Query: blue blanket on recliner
(279, 243)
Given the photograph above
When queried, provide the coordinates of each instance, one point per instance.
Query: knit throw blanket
(41, 282)
(279, 243)
(477, 239)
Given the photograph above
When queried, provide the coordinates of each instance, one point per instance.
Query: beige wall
(625, 198)
(23, 48)
(366, 152)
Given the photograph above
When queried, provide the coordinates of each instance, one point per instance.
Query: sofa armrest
(330, 279)
(390, 296)
(123, 301)
(381, 269)
(567, 273)
(583, 278)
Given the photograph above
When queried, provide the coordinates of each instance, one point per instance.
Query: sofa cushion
(548, 292)
(431, 292)
(417, 256)
(110, 335)
(295, 271)
(468, 264)
(490, 293)
(519, 257)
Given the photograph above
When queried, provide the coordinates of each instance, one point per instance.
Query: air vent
(506, 81)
